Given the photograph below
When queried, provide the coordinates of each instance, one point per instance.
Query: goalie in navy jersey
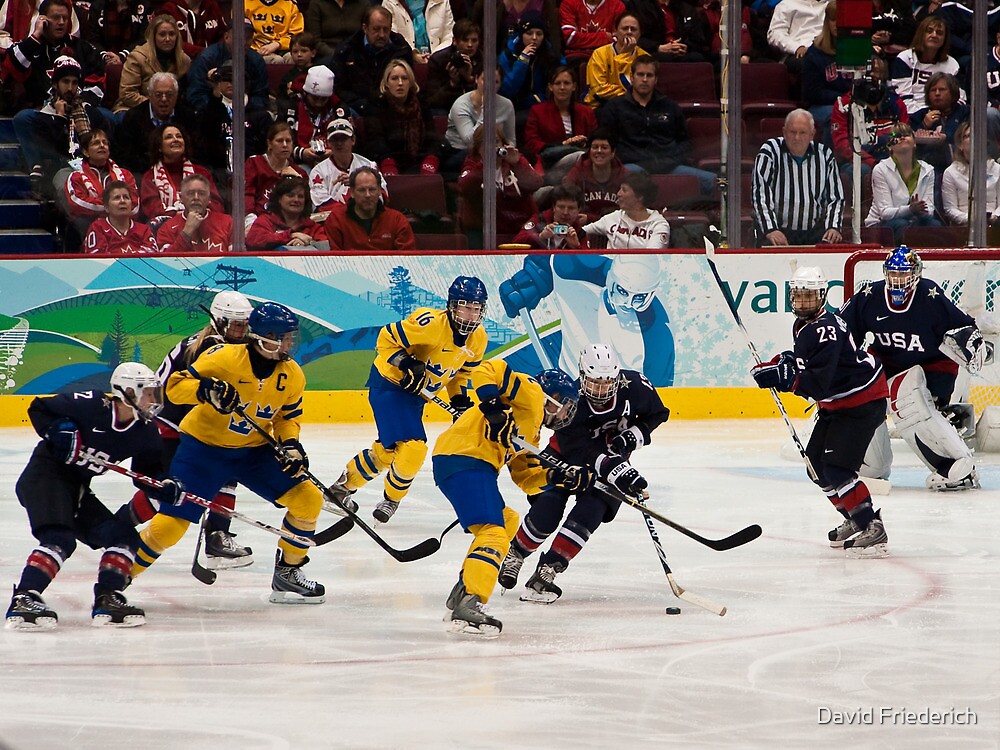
(229, 313)
(922, 338)
(849, 388)
(54, 489)
(618, 412)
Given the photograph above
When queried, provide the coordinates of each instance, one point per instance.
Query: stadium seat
(275, 73)
(422, 198)
(765, 92)
(946, 237)
(112, 83)
(441, 242)
(706, 144)
(692, 86)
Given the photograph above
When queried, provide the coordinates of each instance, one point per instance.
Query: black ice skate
(510, 568)
(469, 617)
(540, 587)
(223, 552)
(338, 493)
(290, 586)
(111, 610)
(27, 611)
(385, 510)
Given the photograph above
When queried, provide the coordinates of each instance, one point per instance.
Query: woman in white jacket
(902, 187)
(955, 183)
(427, 34)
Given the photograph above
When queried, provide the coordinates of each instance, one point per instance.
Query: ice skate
(842, 533)
(112, 610)
(938, 483)
(27, 611)
(222, 551)
(385, 510)
(540, 587)
(510, 568)
(469, 617)
(338, 493)
(290, 586)
(873, 542)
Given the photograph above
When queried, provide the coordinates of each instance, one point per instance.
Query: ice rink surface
(815, 652)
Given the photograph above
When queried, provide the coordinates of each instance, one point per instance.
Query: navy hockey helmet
(561, 396)
(272, 328)
(902, 271)
(466, 304)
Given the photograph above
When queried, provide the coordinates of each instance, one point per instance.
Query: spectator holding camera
(902, 188)
(399, 130)
(451, 71)
(560, 227)
(316, 108)
(955, 183)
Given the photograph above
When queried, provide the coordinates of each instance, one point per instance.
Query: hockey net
(971, 278)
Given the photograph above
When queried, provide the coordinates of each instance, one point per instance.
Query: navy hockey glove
(220, 394)
(780, 373)
(461, 404)
(968, 344)
(627, 441)
(64, 440)
(619, 472)
(414, 373)
(572, 478)
(170, 492)
(293, 458)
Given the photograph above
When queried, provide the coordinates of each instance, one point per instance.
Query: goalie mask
(561, 396)
(807, 292)
(230, 312)
(632, 281)
(272, 330)
(136, 385)
(466, 304)
(902, 272)
(600, 373)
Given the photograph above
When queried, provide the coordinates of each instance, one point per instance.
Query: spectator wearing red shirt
(586, 26)
(117, 232)
(558, 127)
(263, 171)
(201, 22)
(198, 229)
(598, 175)
(365, 223)
(160, 190)
(85, 188)
(286, 223)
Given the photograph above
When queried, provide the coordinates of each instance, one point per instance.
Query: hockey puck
(673, 610)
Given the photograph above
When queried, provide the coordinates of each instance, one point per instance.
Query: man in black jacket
(131, 142)
(361, 59)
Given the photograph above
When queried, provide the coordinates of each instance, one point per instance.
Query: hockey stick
(314, 541)
(536, 340)
(417, 552)
(710, 257)
(741, 537)
(198, 570)
(679, 592)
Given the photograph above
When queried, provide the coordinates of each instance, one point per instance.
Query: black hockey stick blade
(198, 570)
(333, 532)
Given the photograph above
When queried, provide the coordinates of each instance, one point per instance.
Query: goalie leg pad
(926, 430)
(878, 457)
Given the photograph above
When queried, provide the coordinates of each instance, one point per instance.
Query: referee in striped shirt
(798, 198)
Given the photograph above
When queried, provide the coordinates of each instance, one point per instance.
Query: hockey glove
(572, 478)
(627, 441)
(461, 404)
(502, 429)
(293, 458)
(780, 373)
(170, 492)
(414, 373)
(64, 440)
(968, 344)
(221, 395)
(619, 472)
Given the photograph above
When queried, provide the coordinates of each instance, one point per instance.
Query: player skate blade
(840, 544)
(539, 597)
(227, 563)
(874, 552)
(129, 621)
(332, 507)
(40, 623)
(463, 628)
(290, 597)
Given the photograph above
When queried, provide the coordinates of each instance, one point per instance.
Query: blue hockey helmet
(561, 396)
(272, 328)
(902, 272)
(466, 304)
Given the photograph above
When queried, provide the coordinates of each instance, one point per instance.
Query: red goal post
(971, 279)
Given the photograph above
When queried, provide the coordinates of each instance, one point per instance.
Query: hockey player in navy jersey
(229, 313)
(850, 391)
(54, 489)
(617, 414)
(921, 338)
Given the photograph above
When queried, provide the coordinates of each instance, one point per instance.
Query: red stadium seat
(691, 85)
(441, 242)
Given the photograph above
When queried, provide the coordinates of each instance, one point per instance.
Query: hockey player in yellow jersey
(433, 350)
(467, 460)
(217, 446)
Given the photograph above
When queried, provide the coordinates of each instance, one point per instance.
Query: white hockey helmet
(600, 373)
(807, 291)
(136, 385)
(632, 280)
(229, 308)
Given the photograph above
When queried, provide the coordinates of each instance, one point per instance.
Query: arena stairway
(20, 212)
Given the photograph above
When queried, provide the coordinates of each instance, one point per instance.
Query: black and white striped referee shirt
(787, 194)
